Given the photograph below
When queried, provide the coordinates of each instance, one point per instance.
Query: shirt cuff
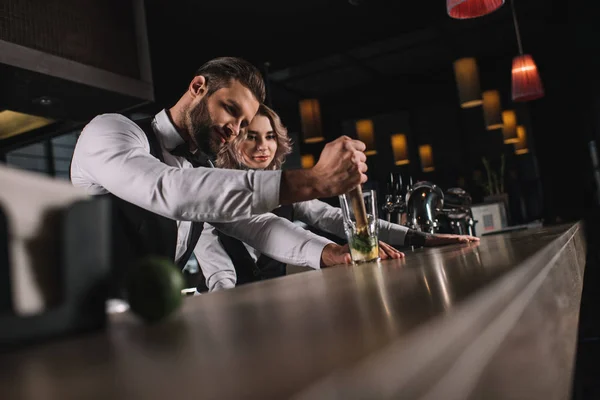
(221, 280)
(223, 284)
(314, 249)
(266, 191)
(396, 234)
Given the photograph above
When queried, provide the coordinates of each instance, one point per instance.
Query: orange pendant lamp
(426, 155)
(509, 130)
(526, 81)
(464, 9)
(400, 149)
(310, 117)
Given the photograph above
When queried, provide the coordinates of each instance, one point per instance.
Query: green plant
(495, 180)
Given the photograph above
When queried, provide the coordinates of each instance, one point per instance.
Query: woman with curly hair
(226, 261)
(264, 145)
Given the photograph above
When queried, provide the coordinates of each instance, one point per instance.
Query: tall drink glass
(362, 240)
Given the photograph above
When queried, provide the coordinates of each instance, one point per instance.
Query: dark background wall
(554, 179)
(386, 60)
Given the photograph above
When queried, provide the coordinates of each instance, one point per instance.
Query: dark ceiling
(322, 47)
(310, 48)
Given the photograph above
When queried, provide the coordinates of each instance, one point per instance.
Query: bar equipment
(425, 202)
(395, 205)
(456, 216)
(425, 207)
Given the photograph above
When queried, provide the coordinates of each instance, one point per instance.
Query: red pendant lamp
(526, 81)
(464, 9)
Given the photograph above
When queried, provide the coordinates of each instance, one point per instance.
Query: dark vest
(246, 269)
(138, 232)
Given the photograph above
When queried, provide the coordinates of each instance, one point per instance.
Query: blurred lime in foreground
(154, 286)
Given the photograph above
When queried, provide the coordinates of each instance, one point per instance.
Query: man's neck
(177, 117)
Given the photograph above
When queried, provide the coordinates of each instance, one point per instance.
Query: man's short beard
(200, 124)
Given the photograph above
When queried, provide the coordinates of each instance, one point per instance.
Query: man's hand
(341, 167)
(334, 254)
(441, 239)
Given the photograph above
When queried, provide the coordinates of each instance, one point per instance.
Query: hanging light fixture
(400, 149)
(308, 161)
(464, 9)
(366, 134)
(526, 81)
(310, 115)
(509, 128)
(492, 110)
(521, 145)
(426, 156)
(467, 82)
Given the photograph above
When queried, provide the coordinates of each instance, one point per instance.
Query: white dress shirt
(218, 268)
(113, 155)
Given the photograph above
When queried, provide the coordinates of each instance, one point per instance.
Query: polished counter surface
(492, 320)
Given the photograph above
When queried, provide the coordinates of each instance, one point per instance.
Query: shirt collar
(169, 136)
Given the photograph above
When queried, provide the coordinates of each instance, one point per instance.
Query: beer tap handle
(391, 185)
(398, 185)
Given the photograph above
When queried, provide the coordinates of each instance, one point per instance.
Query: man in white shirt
(161, 200)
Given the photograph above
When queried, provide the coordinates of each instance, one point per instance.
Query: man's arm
(219, 271)
(279, 239)
(113, 153)
(286, 242)
(215, 263)
(341, 167)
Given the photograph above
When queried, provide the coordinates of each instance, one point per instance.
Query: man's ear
(198, 86)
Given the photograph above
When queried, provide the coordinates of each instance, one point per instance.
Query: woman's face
(259, 147)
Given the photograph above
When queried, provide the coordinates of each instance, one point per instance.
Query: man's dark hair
(219, 72)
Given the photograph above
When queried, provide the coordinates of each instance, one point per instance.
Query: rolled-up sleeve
(266, 191)
(392, 233)
(113, 155)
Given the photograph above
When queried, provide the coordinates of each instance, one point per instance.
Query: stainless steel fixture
(424, 202)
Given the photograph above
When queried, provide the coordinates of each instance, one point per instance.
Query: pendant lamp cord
(514, 14)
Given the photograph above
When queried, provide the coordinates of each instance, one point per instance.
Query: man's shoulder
(113, 123)
(110, 119)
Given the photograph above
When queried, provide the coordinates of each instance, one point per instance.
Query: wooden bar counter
(495, 320)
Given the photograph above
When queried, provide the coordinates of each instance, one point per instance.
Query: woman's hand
(440, 239)
(388, 252)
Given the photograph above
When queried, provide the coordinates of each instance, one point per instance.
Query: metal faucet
(457, 209)
(394, 205)
(424, 204)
